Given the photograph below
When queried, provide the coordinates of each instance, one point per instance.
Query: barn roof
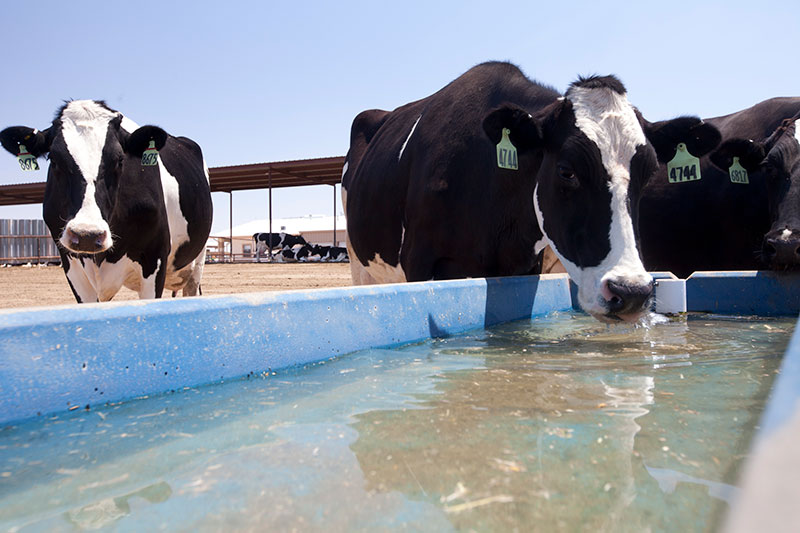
(319, 171)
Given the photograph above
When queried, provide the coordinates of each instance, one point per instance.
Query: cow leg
(421, 266)
(192, 287)
(110, 277)
(161, 276)
(358, 272)
(152, 286)
(78, 281)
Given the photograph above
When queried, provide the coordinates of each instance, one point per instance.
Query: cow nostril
(769, 251)
(73, 237)
(627, 298)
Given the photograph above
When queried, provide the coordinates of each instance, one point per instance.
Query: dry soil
(44, 286)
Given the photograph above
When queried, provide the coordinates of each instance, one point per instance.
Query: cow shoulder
(376, 184)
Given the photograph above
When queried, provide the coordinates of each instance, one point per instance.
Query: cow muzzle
(625, 300)
(781, 249)
(86, 241)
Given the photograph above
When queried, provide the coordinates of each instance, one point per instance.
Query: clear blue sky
(268, 81)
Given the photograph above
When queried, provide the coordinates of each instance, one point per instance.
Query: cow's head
(89, 145)
(593, 155)
(777, 160)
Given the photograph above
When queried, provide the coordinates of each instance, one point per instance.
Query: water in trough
(559, 423)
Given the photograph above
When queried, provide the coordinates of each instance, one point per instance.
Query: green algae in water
(559, 423)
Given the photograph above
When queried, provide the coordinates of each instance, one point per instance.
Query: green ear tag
(150, 156)
(738, 173)
(27, 161)
(506, 153)
(683, 167)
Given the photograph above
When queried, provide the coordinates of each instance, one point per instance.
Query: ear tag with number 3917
(737, 172)
(683, 167)
(27, 161)
(506, 152)
(150, 155)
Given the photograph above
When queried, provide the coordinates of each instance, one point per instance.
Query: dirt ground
(43, 286)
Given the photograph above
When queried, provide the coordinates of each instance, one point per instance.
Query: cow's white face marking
(344, 168)
(607, 119)
(785, 234)
(84, 125)
(402, 148)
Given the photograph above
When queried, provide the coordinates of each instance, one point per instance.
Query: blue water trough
(74, 357)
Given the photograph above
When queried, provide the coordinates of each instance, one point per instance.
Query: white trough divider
(68, 357)
(670, 296)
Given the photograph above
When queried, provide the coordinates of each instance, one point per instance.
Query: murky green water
(555, 424)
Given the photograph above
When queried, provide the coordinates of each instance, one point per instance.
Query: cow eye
(567, 177)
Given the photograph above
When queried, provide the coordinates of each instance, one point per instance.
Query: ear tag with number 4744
(683, 167)
(506, 152)
(737, 172)
(150, 155)
(27, 161)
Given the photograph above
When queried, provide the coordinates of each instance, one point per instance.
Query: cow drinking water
(476, 179)
(119, 219)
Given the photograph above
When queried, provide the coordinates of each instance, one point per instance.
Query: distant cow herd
(286, 247)
(479, 179)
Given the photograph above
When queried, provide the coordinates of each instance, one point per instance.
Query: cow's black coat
(714, 224)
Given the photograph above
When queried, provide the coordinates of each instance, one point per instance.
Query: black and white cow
(775, 161)
(719, 223)
(116, 221)
(426, 197)
(333, 254)
(263, 241)
(291, 255)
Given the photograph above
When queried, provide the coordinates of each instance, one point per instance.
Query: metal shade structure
(320, 171)
(22, 193)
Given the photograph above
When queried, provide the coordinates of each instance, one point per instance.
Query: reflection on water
(573, 424)
(553, 424)
(107, 511)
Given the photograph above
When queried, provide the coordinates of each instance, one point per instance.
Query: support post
(269, 175)
(335, 243)
(230, 226)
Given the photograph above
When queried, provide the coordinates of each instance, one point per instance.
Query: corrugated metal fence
(26, 241)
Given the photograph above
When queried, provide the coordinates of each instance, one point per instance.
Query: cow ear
(698, 136)
(139, 140)
(526, 132)
(750, 153)
(37, 142)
